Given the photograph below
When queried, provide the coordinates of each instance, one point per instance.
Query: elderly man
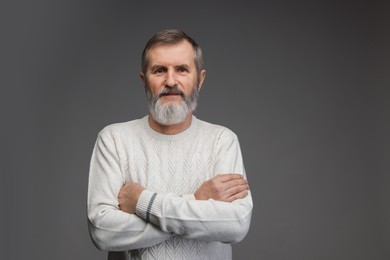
(168, 185)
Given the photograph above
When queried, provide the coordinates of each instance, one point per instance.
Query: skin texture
(223, 187)
(128, 197)
(173, 66)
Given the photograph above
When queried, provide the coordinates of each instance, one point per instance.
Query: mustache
(171, 91)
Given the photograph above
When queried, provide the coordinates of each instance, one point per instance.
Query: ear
(202, 76)
(142, 76)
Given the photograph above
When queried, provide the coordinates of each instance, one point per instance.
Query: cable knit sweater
(169, 223)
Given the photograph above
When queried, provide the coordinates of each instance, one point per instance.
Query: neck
(170, 129)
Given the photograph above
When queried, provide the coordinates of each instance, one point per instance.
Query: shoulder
(218, 132)
(118, 130)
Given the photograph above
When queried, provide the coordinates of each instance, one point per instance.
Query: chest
(179, 167)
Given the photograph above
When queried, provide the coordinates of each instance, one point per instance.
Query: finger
(237, 196)
(229, 176)
(130, 186)
(235, 182)
(236, 189)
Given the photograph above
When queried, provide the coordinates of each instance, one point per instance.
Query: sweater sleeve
(110, 228)
(207, 220)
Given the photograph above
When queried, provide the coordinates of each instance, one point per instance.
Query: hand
(223, 187)
(128, 197)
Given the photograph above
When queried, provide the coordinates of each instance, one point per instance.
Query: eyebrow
(182, 65)
(154, 67)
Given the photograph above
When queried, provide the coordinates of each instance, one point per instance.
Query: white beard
(171, 113)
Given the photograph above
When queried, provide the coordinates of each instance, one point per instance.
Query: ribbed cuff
(149, 206)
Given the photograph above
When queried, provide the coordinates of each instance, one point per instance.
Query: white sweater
(169, 223)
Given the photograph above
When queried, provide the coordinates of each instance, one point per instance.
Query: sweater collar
(174, 137)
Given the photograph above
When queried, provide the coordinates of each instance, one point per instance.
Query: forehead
(172, 54)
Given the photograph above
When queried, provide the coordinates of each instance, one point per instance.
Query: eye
(182, 69)
(158, 70)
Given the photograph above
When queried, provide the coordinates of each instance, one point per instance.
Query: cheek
(154, 85)
(189, 85)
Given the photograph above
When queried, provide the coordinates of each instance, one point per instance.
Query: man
(168, 186)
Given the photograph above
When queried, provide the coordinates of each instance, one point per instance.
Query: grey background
(305, 85)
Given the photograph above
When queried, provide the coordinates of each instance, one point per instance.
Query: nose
(170, 78)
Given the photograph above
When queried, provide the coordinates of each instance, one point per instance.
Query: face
(172, 82)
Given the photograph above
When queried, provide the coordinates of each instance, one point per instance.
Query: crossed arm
(219, 210)
(223, 187)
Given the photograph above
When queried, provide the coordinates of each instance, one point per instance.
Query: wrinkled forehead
(171, 54)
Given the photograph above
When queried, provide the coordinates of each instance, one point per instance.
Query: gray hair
(172, 36)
